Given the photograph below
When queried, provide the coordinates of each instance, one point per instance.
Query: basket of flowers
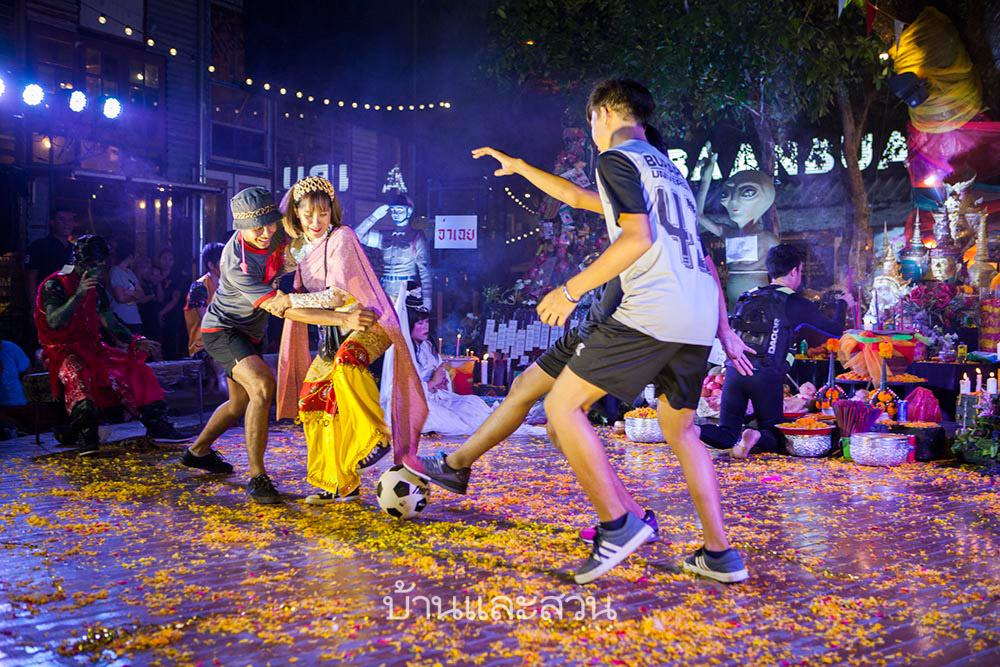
(641, 425)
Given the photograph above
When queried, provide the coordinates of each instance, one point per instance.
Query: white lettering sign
(456, 231)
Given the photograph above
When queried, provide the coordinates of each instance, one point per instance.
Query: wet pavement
(129, 559)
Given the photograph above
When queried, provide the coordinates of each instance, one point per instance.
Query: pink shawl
(340, 262)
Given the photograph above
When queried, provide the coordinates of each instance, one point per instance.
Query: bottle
(963, 353)
(903, 411)
(803, 348)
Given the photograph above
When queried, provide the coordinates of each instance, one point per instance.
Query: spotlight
(111, 108)
(910, 88)
(3, 86)
(77, 101)
(33, 95)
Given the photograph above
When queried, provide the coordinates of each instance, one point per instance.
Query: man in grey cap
(233, 330)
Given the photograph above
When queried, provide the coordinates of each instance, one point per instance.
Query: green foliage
(706, 61)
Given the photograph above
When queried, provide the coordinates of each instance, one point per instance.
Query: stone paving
(129, 559)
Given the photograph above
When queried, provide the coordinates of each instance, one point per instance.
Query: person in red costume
(94, 361)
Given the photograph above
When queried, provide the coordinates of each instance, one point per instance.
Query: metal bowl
(809, 445)
(639, 429)
(879, 449)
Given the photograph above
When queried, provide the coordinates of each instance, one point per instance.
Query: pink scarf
(340, 262)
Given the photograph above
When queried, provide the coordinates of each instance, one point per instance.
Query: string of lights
(357, 105)
(523, 237)
(527, 195)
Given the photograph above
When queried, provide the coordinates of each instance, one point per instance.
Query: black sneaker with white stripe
(727, 568)
(611, 547)
(375, 455)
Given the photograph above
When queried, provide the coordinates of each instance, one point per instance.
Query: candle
(458, 345)
(964, 385)
(483, 365)
(440, 346)
(979, 381)
(991, 385)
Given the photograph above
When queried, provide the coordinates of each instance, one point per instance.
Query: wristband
(567, 295)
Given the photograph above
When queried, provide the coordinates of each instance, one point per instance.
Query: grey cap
(254, 207)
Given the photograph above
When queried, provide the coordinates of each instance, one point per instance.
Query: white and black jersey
(668, 293)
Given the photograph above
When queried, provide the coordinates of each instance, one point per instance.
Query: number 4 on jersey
(687, 241)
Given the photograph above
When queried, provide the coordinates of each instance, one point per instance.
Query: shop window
(239, 126)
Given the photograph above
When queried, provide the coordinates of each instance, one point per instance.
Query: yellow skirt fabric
(340, 412)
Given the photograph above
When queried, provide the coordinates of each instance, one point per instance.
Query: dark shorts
(229, 346)
(554, 359)
(622, 361)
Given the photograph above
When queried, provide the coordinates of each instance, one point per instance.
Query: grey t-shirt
(668, 293)
(237, 300)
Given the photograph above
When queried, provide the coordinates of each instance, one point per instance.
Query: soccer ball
(400, 493)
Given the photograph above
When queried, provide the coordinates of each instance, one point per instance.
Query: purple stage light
(33, 94)
(111, 108)
(78, 101)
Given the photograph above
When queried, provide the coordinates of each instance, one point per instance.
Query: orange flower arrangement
(833, 345)
(885, 350)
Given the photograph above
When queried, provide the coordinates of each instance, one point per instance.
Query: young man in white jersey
(671, 310)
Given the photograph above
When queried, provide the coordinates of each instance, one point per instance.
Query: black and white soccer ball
(401, 494)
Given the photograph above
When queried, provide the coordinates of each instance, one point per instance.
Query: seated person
(74, 318)
(448, 413)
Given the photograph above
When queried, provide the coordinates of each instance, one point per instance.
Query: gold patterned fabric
(247, 215)
(340, 413)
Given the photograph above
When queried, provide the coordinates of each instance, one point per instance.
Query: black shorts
(622, 361)
(229, 346)
(559, 353)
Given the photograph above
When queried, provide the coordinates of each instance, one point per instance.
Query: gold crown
(312, 184)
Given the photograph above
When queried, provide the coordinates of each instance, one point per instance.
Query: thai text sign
(455, 231)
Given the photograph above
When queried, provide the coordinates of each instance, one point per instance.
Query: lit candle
(979, 381)
(440, 346)
(991, 384)
(458, 345)
(964, 385)
(484, 364)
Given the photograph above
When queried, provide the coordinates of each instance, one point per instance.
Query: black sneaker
(88, 449)
(321, 498)
(211, 462)
(164, 431)
(587, 534)
(375, 455)
(442, 474)
(261, 490)
(727, 568)
(611, 547)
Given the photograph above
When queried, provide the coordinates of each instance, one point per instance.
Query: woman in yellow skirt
(335, 396)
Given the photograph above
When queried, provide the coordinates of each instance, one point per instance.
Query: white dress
(449, 413)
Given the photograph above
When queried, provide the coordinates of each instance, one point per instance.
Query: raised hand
(508, 164)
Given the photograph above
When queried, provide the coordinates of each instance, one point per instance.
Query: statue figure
(404, 250)
(888, 287)
(957, 210)
(945, 256)
(914, 256)
(983, 271)
(747, 195)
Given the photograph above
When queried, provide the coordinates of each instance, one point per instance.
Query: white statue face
(747, 195)
(400, 215)
(943, 268)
